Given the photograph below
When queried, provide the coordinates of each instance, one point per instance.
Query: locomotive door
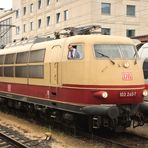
(56, 56)
(54, 73)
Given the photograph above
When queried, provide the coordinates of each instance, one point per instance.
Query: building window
(17, 29)
(130, 10)
(105, 8)
(17, 13)
(105, 31)
(31, 26)
(31, 7)
(65, 15)
(57, 17)
(24, 28)
(48, 20)
(48, 2)
(39, 4)
(130, 32)
(24, 10)
(39, 23)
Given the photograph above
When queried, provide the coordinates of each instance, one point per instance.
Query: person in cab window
(73, 53)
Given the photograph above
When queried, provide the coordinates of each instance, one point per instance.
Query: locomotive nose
(111, 111)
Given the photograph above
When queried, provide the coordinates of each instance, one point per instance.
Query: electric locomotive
(102, 87)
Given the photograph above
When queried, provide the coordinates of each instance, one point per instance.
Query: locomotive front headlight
(126, 65)
(104, 94)
(101, 94)
(145, 93)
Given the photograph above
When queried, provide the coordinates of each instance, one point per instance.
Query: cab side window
(145, 68)
(75, 51)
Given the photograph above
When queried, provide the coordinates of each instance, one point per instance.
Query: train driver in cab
(73, 52)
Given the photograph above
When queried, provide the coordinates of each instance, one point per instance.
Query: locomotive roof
(102, 39)
(92, 39)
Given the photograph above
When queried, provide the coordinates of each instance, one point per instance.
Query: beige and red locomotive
(104, 83)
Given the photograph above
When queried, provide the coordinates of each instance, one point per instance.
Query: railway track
(135, 140)
(114, 140)
(8, 141)
(120, 140)
(12, 139)
(108, 142)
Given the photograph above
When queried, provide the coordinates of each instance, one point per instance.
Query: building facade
(116, 17)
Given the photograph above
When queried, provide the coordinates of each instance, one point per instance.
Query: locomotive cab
(107, 81)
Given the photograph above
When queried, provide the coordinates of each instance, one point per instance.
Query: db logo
(127, 76)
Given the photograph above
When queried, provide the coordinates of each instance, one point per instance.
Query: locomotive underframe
(74, 115)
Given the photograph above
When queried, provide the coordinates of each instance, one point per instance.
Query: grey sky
(7, 4)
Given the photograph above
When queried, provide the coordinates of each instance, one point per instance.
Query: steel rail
(12, 141)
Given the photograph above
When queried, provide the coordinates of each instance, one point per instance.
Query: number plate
(128, 94)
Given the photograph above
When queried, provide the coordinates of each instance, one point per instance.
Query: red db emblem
(127, 76)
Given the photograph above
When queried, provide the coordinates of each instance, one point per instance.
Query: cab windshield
(114, 51)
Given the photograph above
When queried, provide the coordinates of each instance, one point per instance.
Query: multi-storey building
(116, 17)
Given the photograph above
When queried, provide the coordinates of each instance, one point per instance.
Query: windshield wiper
(103, 55)
(135, 55)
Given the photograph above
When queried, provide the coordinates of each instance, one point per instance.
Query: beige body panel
(100, 72)
(59, 70)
